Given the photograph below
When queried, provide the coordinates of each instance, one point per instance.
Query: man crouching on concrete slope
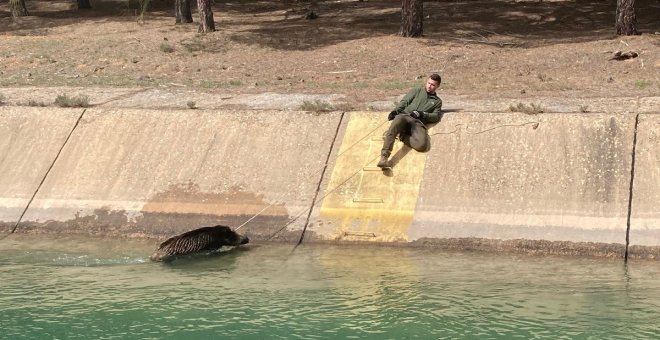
(420, 106)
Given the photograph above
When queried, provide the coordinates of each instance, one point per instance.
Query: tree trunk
(182, 12)
(84, 4)
(626, 21)
(412, 14)
(206, 23)
(18, 8)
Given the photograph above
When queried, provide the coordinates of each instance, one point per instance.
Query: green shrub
(530, 110)
(33, 102)
(642, 84)
(342, 107)
(316, 106)
(66, 101)
(167, 48)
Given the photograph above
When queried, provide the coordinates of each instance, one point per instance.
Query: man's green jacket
(420, 100)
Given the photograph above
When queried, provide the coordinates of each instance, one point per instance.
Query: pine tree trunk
(84, 4)
(206, 23)
(626, 21)
(18, 8)
(412, 14)
(182, 12)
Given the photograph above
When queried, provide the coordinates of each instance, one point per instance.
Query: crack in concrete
(325, 167)
(630, 192)
(27, 206)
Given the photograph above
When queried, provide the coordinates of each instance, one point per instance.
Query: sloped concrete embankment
(550, 183)
(157, 173)
(567, 180)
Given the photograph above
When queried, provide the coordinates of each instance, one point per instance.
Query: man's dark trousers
(413, 134)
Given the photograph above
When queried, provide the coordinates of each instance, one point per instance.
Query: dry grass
(64, 100)
(530, 109)
(34, 103)
(167, 48)
(316, 106)
(351, 49)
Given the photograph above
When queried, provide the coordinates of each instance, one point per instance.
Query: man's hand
(418, 114)
(392, 115)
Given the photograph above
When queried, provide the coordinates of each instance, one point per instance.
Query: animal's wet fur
(204, 239)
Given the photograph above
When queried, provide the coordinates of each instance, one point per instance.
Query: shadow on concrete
(399, 155)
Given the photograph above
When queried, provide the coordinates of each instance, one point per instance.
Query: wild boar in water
(198, 240)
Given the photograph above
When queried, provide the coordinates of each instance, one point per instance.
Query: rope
(257, 214)
(314, 173)
(456, 128)
(321, 198)
(535, 126)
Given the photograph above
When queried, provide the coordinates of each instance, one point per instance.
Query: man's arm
(406, 100)
(434, 114)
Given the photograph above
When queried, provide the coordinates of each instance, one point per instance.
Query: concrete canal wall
(548, 183)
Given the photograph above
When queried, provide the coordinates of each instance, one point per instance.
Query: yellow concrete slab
(365, 202)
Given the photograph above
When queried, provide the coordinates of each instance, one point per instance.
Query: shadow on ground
(282, 24)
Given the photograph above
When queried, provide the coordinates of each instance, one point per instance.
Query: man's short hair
(436, 77)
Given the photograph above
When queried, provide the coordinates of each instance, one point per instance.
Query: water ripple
(323, 293)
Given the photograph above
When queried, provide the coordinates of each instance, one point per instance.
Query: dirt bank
(483, 49)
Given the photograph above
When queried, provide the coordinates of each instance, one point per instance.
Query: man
(420, 106)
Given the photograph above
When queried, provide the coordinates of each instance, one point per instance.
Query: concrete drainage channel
(564, 185)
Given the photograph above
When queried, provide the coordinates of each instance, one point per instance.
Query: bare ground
(350, 56)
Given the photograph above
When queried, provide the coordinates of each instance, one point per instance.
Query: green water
(94, 289)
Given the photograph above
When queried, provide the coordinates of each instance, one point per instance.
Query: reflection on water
(88, 289)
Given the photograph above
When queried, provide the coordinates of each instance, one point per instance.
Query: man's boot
(383, 163)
